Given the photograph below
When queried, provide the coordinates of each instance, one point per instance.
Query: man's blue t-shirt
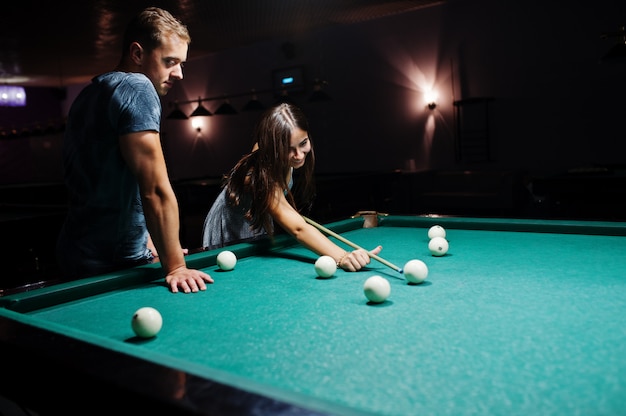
(105, 227)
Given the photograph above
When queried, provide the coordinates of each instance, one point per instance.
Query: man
(120, 196)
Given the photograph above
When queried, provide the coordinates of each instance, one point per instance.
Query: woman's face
(299, 148)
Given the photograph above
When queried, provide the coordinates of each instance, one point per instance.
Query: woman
(257, 193)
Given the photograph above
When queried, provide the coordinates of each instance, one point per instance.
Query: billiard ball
(438, 246)
(226, 260)
(325, 266)
(415, 271)
(436, 231)
(376, 289)
(146, 322)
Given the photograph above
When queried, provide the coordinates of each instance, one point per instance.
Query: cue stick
(351, 244)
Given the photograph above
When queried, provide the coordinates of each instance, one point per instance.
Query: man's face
(164, 65)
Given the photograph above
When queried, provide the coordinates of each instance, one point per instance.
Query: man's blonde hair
(149, 28)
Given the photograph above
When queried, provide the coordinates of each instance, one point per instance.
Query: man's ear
(136, 53)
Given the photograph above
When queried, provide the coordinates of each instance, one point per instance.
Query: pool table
(520, 317)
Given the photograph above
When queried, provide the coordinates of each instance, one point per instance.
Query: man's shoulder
(119, 77)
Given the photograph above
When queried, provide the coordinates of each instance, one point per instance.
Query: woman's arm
(310, 237)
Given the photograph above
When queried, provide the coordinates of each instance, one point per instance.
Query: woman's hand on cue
(357, 259)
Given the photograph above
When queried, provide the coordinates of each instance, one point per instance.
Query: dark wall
(30, 138)
(554, 106)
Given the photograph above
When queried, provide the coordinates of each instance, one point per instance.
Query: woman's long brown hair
(257, 175)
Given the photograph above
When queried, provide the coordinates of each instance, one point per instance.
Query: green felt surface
(507, 323)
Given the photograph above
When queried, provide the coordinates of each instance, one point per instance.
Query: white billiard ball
(415, 271)
(438, 246)
(146, 322)
(436, 231)
(325, 266)
(226, 260)
(376, 289)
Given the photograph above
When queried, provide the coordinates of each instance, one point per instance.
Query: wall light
(196, 123)
(431, 99)
(12, 96)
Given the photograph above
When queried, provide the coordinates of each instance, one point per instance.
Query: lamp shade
(617, 54)
(284, 98)
(225, 109)
(200, 110)
(319, 95)
(177, 114)
(253, 105)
